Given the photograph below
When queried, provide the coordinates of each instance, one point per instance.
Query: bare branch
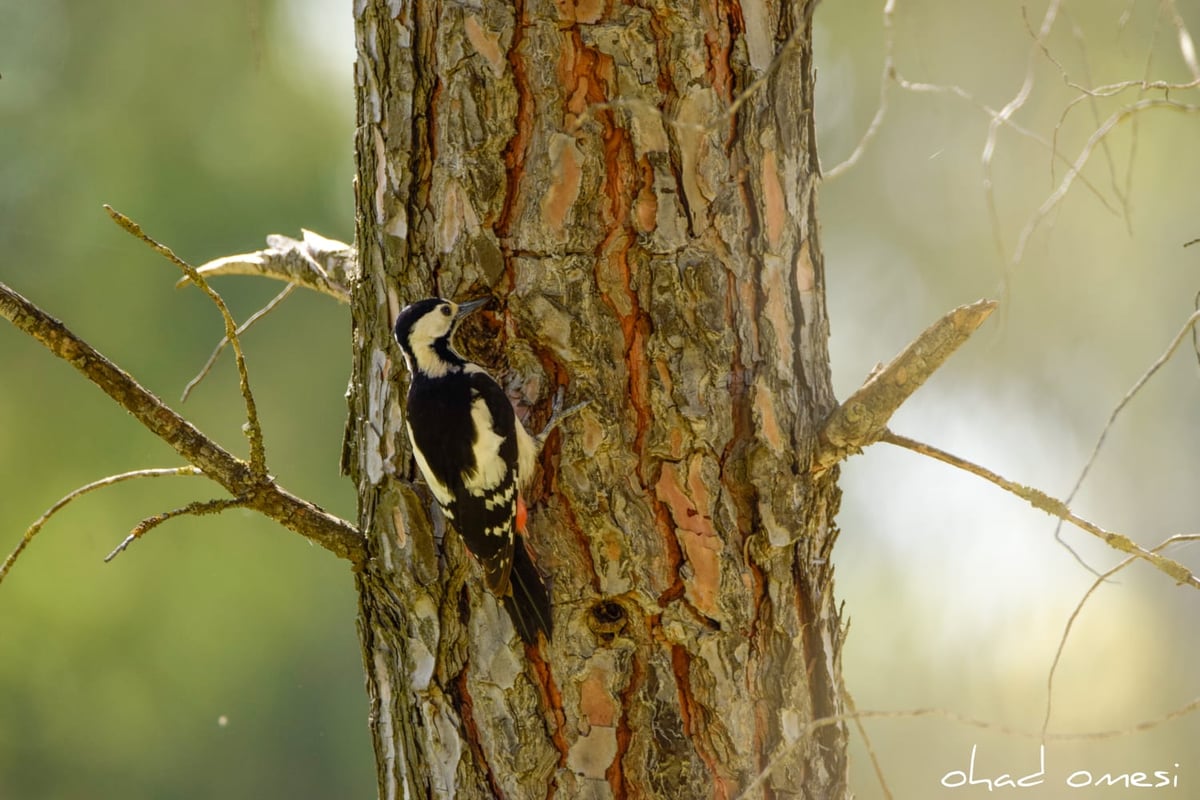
(1189, 325)
(1100, 580)
(197, 508)
(1187, 48)
(862, 732)
(989, 145)
(1081, 160)
(258, 457)
(314, 262)
(40, 522)
(261, 493)
(1044, 502)
(863, 418)
(970, 722)
(888, 75)
(245, 326)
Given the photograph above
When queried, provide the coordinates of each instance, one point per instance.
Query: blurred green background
(218, 657)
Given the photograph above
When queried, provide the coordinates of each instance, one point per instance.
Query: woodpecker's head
(423, 331)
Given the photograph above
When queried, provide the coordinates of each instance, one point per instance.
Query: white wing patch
(526, 454)
(500, 499)
(490, 468)
(441, 492)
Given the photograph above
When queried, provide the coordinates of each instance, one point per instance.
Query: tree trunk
(651, 245)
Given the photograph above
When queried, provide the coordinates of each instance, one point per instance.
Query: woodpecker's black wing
(474, 478)
(529, 604)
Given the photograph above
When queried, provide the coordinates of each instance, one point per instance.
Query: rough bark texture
(657, 255)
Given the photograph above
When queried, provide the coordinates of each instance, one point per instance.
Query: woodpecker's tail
(529, 602)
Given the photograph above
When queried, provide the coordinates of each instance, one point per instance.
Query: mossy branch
(863, 418)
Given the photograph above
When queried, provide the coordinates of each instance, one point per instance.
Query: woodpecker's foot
(558, 414)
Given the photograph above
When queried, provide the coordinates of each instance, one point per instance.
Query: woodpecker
(474, 454)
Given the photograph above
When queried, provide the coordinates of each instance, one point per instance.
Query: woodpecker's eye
(445, 311)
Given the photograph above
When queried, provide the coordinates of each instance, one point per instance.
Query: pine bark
(648, 230)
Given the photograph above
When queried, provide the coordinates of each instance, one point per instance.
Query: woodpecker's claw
(558, 414)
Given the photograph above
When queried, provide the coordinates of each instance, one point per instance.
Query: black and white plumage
(473, 453)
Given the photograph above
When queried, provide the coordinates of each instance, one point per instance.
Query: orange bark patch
(774, 206)
(566, 179)
(717, 43)
(551, 699)
(645, 210)
(487, 44)
(514, 151)
(595, 703)
(584, 73)
(703, 554)
(776, 311)
(806, 277)
(585, 11)
(637, 374)
(764, 406)
(693, 527)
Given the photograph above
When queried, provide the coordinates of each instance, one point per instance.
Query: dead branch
(863, 418)
(1085, 154)
(970, 722)
(40, 522)
(1053, 506)
(314, 262)
(258, 455)
(1100, 581)
(245, 326)
(1188, 325)
(260, 492)
(197, 508)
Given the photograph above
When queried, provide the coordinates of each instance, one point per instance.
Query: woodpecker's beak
(465, 309)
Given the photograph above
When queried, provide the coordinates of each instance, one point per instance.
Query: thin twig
(1189, 325)
(1081, 160)
(1050, 145)
(848, 699)
(1044, 502)
(1187, 48)
(1195, 335)
(40, 522)
(885, 80)
(1010, 108)
(258, 458)
(245, 326)
(196, 508)
(863, 417)
(1093, 103)
(263, 494)
(970, 722)
(890, 74)
(1062, 643)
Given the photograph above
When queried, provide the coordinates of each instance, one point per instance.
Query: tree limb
(33, 529)
(1052, 506)
(258, 453)
(863, 418)
(314, 262)
(235, 475)
(195, 508)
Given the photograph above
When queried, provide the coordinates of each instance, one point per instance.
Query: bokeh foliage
(217, 657)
